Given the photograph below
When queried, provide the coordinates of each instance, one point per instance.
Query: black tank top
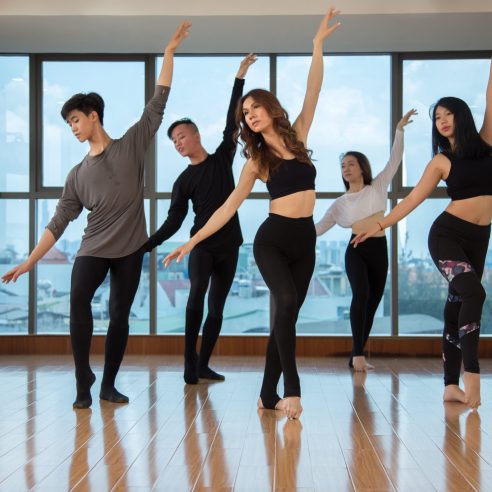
(469, 177)
(291, 176)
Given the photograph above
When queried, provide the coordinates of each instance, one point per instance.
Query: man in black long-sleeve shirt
(207, 182)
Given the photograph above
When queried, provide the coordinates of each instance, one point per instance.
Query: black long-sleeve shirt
(207, 185)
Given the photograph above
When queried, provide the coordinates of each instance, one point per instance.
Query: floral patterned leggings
(458, 249)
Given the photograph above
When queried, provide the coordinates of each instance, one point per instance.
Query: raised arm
(383, 179)
(166, 74)
(434, 172)
(486, 130)
(222, 215)
(227, 147)
(302, 124)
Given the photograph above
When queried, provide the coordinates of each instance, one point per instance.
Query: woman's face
(351, 170)
(256, 116)
(444, 122)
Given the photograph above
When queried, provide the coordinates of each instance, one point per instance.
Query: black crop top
(469, 177)
(291, 176)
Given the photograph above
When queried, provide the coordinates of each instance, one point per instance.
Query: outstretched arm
(166, 74)
(486, 130)
(315, 77)
(434, 172)
(222, 215)
(46, 242)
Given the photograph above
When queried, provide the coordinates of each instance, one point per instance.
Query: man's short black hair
(86, 103)
(182, 121)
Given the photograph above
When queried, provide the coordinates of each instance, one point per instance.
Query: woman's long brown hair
(254, 145)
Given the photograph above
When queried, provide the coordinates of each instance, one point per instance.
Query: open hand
(181, 32)
(177, 253)
(325, 29)
(360, 238)
(246, 62)
(16, 272)
(406, 119)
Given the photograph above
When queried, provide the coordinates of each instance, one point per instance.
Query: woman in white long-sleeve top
(360, 207)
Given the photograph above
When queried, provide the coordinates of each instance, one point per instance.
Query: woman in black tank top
(284, 246)
(459, 237)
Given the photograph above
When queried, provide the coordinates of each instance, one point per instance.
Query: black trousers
(216, 267)
(367, 269)
(458, 248)
(88, 273)
(284, 250)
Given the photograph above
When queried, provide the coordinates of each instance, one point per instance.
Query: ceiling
(222, 26)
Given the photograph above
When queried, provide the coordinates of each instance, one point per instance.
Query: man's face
(186, 140)
(82, 125)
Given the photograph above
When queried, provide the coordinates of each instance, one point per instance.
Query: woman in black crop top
(459, 237)
(284, 246)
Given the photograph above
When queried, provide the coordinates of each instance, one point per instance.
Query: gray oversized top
(110, 185)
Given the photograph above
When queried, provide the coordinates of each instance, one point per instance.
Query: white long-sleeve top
(352, 207)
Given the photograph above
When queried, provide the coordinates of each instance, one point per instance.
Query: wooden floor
(387, 431)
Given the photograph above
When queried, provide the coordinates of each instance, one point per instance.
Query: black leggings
(367, 269)
(284, 250)
(88, 274)
(458, 249)
(218, 268)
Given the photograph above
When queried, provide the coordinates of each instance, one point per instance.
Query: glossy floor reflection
(386, 430)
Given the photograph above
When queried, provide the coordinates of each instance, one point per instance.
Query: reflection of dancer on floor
(360, 207)
(207, 182)
(109, 182)
(284, 245)
(459, 237)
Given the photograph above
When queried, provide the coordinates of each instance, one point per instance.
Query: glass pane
(14, 246)
(121, 85)
(205, 101)
(326, 309)
(247, 306)
(424, 82)
(14, 123)
(422, 290)
(353, 111)
(54, 275)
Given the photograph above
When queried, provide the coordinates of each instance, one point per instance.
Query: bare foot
(452, 392)
(472, 389)
(292, 407)
(360, 364)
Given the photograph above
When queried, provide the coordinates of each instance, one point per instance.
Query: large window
(353, 111)
(14, 305)
(356, 111)
(201, 90)
(247, 305)
(54, 276)
(426, 81)
(14, 123)
(121, 85)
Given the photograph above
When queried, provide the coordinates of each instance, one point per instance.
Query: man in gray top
(109, 183)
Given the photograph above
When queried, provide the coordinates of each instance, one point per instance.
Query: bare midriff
(367, 222)
(295, 205)
(477, 210)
